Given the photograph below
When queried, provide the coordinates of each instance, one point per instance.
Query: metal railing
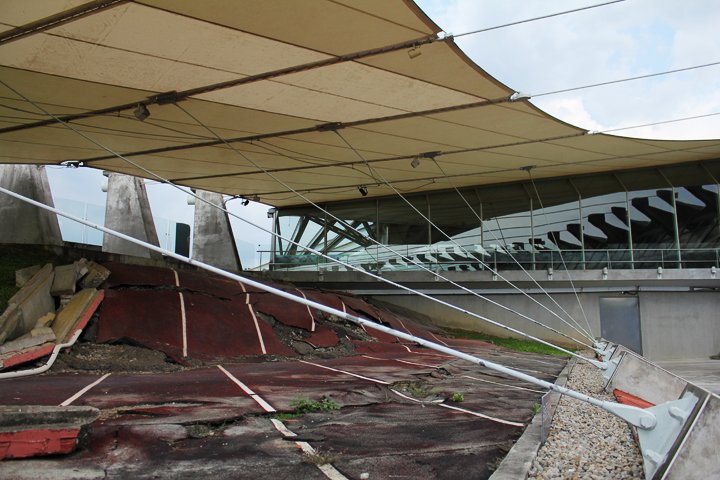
(375, 260)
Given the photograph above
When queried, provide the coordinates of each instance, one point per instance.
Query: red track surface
(148, 427)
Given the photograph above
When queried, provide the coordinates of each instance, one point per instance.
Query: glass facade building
(584, 223)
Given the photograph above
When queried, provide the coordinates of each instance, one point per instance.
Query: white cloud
(602, 44)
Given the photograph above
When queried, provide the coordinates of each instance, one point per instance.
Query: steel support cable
(316, 252)
(587, 334)
(582, 330)
(385, 247)
(572, 284)
(543, 17)
(430, 222)
(640, 418)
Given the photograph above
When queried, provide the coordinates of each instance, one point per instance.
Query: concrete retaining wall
(674, 325)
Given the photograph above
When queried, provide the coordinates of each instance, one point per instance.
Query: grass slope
(511, 343)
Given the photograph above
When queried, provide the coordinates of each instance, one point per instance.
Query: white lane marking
(258, 399)
(436, 338)
(83, 391)
(413, 399)
(403, 361)
(280, 427)
(406, 348)
(498, 420)
(503, 384)
(257, 328)
(242, 285)
(326, 468)
(312, 318)
(183, 320)
(403, 325)
(346, 372)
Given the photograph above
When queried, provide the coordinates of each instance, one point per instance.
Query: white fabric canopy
(313, 126)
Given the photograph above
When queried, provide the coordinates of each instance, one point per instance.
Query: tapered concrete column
(127, 210)
(21, 222)
(213, 241)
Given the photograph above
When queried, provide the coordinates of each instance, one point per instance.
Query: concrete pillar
(213, 241)
(127, 211)
(21, 222)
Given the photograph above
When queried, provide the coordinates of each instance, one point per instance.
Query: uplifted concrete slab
(37, 430)
(33, 300)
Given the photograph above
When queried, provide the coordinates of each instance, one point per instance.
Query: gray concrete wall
(680, 325)
(127, 211)
(674, 325)
(213, 241)
(21, 222)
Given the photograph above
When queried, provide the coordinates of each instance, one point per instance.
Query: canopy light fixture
(363, 190)
(415, 162)
(141, 112)
(414, 52)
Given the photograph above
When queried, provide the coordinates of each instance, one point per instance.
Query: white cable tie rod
(638, 417)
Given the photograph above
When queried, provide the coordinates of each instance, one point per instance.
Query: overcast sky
(632, 38)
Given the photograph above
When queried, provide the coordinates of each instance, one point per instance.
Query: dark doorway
(620, 321)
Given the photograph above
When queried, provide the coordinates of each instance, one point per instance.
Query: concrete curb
(516, 464)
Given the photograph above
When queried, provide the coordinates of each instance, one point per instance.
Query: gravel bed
(585, 441)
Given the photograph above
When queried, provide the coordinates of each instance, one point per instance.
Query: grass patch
(458, 397)
(511, 343)
(417, 389)
(15, 257)
(305, 405)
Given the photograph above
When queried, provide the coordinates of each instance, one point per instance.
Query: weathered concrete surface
(95, 276)
(33, 301)
(677, 318)
(24, 275)
(65, 280)
(29, 223)
(641, 378)
(76, 313)
(699, 456)
(519, 459)
(37, 336)
(35, 430)
(705, 374)
(128, 211)
(213, 241)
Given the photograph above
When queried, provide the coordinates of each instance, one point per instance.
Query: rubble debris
(33, 300)
(30, 327)
(95, 276)
(80, 308)
(35, 337)
(10, 321)
(65, 280)
(24, 275)
(33, 430)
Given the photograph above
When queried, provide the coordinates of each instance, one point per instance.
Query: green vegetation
(15, 257)
(416, 389)
(536, 408)
(458, 397)
(511, 343)
(305, 405)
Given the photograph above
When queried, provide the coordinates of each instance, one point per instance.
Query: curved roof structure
(255, 98)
